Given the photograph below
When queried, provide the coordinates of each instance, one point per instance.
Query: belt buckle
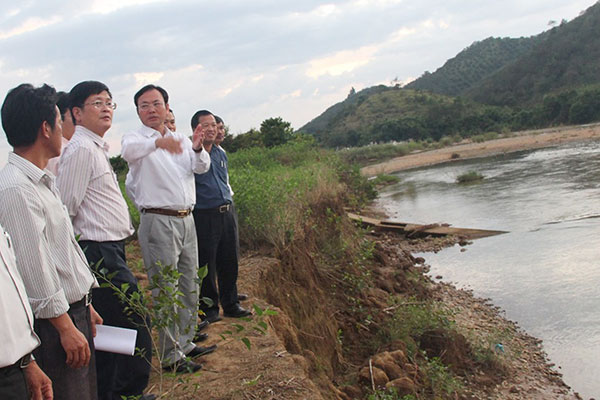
(182, 213)
(223, 208)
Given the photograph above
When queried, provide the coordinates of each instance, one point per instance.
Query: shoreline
(520, 141)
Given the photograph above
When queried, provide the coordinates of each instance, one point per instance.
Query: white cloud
(108, 6)
(29, 25)
(341, 62)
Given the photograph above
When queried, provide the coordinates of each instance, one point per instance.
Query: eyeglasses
(146, 106)
(99, 104)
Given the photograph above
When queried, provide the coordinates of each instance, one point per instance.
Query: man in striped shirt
(100, 216)
(55, 273)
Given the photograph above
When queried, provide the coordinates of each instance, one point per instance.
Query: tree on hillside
(275, 131)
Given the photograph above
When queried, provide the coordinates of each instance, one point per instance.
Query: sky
(247, 61)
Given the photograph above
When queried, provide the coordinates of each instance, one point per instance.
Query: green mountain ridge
(504, 84)
(470, 66)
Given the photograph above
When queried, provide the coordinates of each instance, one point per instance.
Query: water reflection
(545, 272)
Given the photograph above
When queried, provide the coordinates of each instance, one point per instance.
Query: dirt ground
(525, 140)
(277, 368)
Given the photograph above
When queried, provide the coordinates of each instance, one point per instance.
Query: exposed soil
(524, 140)
(301, 355)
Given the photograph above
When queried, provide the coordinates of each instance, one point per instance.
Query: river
(545, 272)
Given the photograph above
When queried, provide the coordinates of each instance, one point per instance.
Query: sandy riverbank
(525, 140)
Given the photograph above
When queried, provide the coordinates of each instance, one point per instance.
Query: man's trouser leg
(208, 232)
(227, 262)
(118, 374)
(67, 383)
(12, 384)
(170, 242)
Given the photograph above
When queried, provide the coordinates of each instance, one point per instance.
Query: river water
(545, 273)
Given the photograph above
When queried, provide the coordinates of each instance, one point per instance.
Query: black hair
(219, 119)
(147, 88)
(24, 110)
(85, 89)
(63, 105)
(196, 117)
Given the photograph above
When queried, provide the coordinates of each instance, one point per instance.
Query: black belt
(222, 209)
(23, 362)
(84, 302)
(164, 211)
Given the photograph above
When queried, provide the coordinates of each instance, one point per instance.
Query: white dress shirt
(90, 190)
(53, 267)
(157, 178)
(17, 337)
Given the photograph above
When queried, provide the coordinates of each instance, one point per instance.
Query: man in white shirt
(68, 128)
(55, 272)
(100, 216)
(20, 376)
(170, 121)
(161, 184)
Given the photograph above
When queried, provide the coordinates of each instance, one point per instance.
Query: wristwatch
(26, 360)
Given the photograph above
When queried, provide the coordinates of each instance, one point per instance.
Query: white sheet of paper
(115, 340)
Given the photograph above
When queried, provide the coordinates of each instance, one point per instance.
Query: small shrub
(470, 177)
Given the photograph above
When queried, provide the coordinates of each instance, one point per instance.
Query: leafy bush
(470, 177)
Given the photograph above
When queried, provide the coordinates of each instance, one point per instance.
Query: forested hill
(554, 80)
(476, 62)
(568, 57)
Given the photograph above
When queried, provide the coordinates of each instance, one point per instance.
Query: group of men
(50, 296)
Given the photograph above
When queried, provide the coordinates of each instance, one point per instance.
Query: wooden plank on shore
(415, 229)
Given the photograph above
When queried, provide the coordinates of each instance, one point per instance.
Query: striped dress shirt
(90, 190)
(53, 267)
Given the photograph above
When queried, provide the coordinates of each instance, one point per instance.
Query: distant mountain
(383, 114)
(470, 66)
(567, 57)
(503, 84)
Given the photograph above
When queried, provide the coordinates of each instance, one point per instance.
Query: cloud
(29, 25)
(341, 62)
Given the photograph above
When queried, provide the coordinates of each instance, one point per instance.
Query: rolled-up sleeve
(22, 215)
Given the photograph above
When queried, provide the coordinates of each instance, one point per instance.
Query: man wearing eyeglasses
(161, 183)
(100, 217)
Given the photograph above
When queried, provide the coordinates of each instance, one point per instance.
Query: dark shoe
(243, 297)
(148, 396)
(200, 337)
(202, 325)
(183, 366)
(237, 312)
(201, 351)
(211, 318)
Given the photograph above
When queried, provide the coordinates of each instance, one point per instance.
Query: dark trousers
(67, 383)
(12, 384)
(218, 248)
(118, 374)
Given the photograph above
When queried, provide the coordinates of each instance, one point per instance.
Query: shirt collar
(30, 170)
(85, 132)
(150, 132)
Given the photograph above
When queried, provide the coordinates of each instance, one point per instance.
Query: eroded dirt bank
(329, 342)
